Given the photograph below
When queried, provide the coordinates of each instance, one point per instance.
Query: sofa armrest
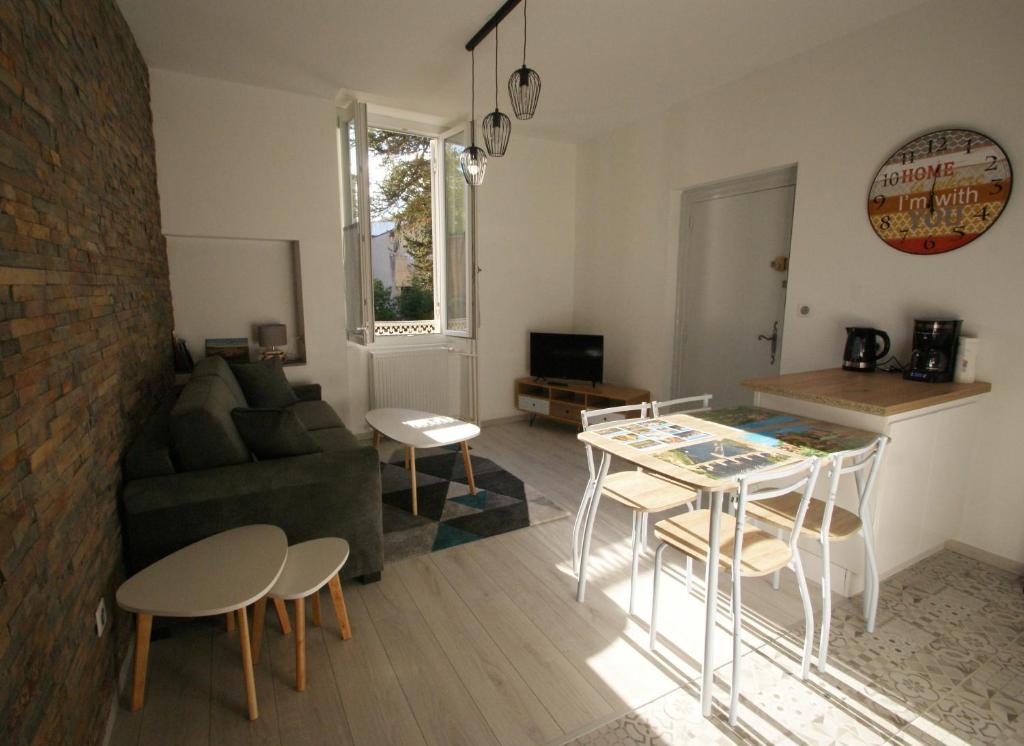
(308, 391)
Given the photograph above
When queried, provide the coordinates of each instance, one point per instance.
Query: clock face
(940, 191)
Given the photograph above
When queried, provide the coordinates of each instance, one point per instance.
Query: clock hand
(931, 195)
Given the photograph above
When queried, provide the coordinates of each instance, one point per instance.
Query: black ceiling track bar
(492, 24)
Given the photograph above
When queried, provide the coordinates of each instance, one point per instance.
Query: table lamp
(272, 336)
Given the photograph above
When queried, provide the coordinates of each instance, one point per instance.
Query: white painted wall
(244, 162)
(837, 112)
(240, 161)
(526, 210)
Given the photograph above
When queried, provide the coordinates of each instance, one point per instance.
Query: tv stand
(563, 401)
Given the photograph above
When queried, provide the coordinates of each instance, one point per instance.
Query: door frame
(682, 212)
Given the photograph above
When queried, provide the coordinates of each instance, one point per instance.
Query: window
(407, 216)
(402, 232)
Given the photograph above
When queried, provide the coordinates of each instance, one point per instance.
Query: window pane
(456, 305)
(401, 243)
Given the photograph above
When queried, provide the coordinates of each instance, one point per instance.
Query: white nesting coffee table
(311, 565)
(415, 429)
(218, 575)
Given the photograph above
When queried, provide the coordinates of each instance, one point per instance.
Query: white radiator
(423, 378)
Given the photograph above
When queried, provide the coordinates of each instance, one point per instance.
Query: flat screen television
(577, 357)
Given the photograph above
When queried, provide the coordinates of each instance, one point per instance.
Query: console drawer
(533, 404)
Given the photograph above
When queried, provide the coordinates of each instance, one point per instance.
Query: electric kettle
(862, 348)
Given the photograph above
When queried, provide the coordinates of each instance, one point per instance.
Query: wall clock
(940, 191)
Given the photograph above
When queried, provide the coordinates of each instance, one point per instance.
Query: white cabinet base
(920, 492)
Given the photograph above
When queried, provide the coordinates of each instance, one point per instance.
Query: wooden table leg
(250, 682)
(315, 598)
(376, 439)
(282, 616)
(412, 472)
(258, 614)
(469, 467)
(339, 607)
(143, 626)
(229, 621)
(300, 644)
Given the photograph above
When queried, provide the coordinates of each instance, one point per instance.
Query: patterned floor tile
(945, 665)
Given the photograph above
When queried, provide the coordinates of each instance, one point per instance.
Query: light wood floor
(479, 644)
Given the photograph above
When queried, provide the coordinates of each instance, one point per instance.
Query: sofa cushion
(202, 431)
(316, 415)
(215, 365)
(273, 433)
(335, 439)
(264, 384)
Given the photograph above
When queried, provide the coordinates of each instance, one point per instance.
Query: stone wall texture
(85, 353)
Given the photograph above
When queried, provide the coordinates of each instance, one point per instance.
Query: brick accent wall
(85, 324)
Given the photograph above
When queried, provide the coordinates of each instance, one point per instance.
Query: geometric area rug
(448, 514)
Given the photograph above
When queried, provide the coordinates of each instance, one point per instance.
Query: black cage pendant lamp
(524, 84)
(473, 160)
(497, 126)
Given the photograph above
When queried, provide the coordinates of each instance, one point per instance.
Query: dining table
(708, 451)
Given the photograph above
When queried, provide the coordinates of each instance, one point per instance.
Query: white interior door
(733, 274)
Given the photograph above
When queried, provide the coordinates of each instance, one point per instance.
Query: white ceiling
(603, 63)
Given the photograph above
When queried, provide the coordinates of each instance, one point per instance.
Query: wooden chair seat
(762, 553)
(781, 511)
(644, 492)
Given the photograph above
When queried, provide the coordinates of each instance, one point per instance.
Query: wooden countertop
(882, 394)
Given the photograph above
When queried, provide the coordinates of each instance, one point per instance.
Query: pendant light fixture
(497, 126)
(524, 84)
(473, 160)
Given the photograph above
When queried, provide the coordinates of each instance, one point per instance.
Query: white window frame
(439, 324)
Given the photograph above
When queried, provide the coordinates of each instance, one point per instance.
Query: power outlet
(101, 618)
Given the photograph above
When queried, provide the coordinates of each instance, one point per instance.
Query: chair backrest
(863, 464)
(700, 403)
(592, 418)
(800, 477)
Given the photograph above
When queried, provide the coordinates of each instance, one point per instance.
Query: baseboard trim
(983, 555)
(115, 700)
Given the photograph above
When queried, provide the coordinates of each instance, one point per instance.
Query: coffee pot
(862, 351)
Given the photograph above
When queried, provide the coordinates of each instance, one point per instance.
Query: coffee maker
(933, 358)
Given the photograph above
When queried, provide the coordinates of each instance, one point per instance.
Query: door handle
(774, 339)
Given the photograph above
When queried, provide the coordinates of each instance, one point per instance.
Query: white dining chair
(747, 552)
(682, 405)
(827, 523)
(641, 492)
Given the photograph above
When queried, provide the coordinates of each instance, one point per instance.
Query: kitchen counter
(878, 393)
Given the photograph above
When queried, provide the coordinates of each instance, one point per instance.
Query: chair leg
(805, 596)
(870, 573)
(635, 564)
(689, 574)
(577, 526)
(588, 532)
(826, 606)
(654, 598)
(737, 642)
(643, 531)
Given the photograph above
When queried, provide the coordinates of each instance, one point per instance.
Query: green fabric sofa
(166, 506)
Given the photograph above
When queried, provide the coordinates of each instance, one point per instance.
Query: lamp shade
(272, 335)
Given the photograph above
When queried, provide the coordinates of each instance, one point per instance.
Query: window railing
(405, 328)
